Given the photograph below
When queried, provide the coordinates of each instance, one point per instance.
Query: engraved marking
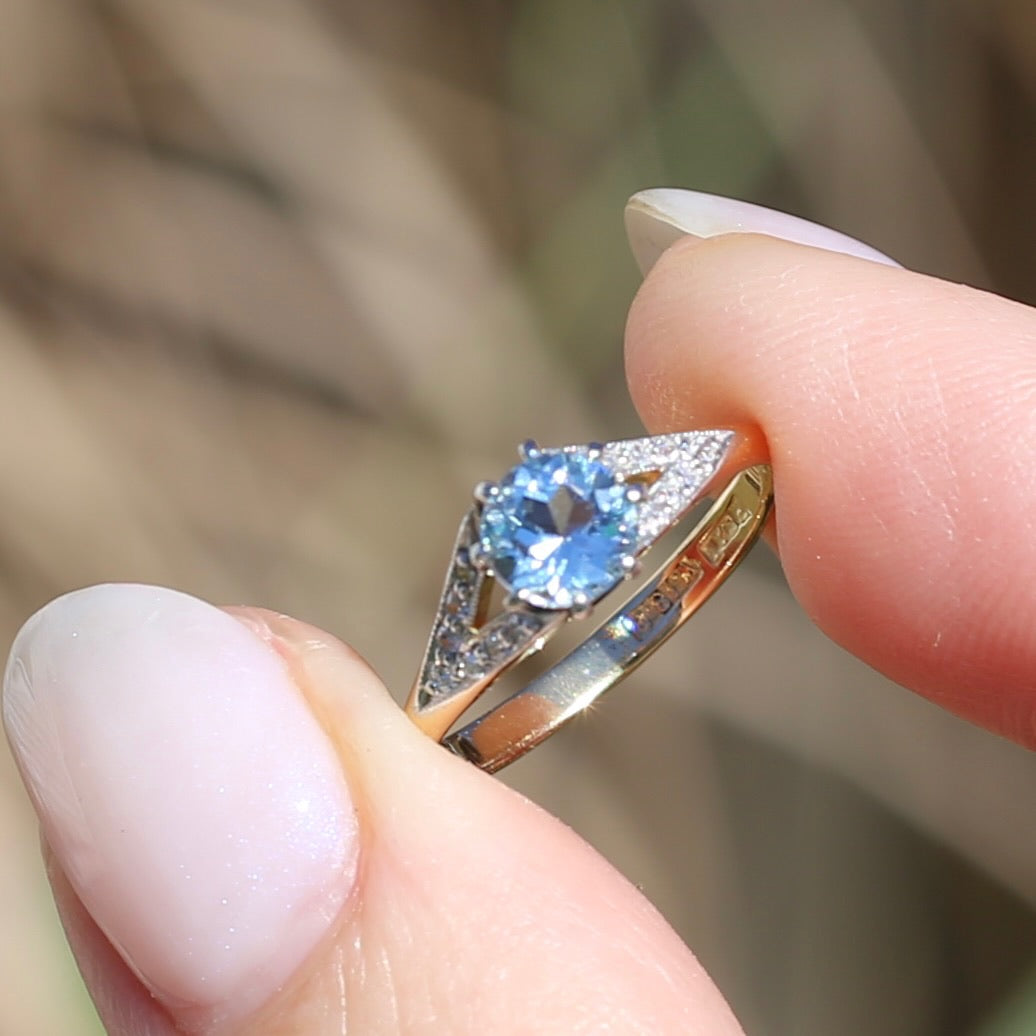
(672, 588)
(716, 543)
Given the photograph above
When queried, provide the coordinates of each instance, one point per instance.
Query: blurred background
(271, 272)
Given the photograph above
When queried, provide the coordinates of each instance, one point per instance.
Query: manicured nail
(657, 218)
(196, 806)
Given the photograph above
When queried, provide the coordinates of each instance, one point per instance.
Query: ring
(559, 533)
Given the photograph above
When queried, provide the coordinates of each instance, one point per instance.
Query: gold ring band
(663, 479)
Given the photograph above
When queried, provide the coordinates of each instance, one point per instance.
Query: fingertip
(897, 409)
(404, 890)
(191, 801)
(474, 907)
(124, 1004)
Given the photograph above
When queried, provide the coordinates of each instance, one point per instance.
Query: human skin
(899, 413)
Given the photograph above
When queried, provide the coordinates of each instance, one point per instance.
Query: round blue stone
(558, 528)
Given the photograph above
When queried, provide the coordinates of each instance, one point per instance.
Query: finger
(899, 413)
(249, 836)
(657, 218)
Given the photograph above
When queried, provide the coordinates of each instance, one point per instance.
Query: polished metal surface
(469, 649)
(630, 636)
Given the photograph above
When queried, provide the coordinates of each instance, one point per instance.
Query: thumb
(245, 834)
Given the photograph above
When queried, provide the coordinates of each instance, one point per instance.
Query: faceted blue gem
(558, 528)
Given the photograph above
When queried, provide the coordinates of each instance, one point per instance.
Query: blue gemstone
(559, 528)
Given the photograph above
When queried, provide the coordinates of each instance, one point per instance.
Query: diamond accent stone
(458, 663)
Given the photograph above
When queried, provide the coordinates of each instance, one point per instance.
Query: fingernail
(186, 790)
(658, 217)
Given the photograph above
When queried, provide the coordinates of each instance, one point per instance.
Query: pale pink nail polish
(656, 218)
(195, 804)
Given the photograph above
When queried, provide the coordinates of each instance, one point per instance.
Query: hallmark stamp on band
(715, 544)
(667, 595)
